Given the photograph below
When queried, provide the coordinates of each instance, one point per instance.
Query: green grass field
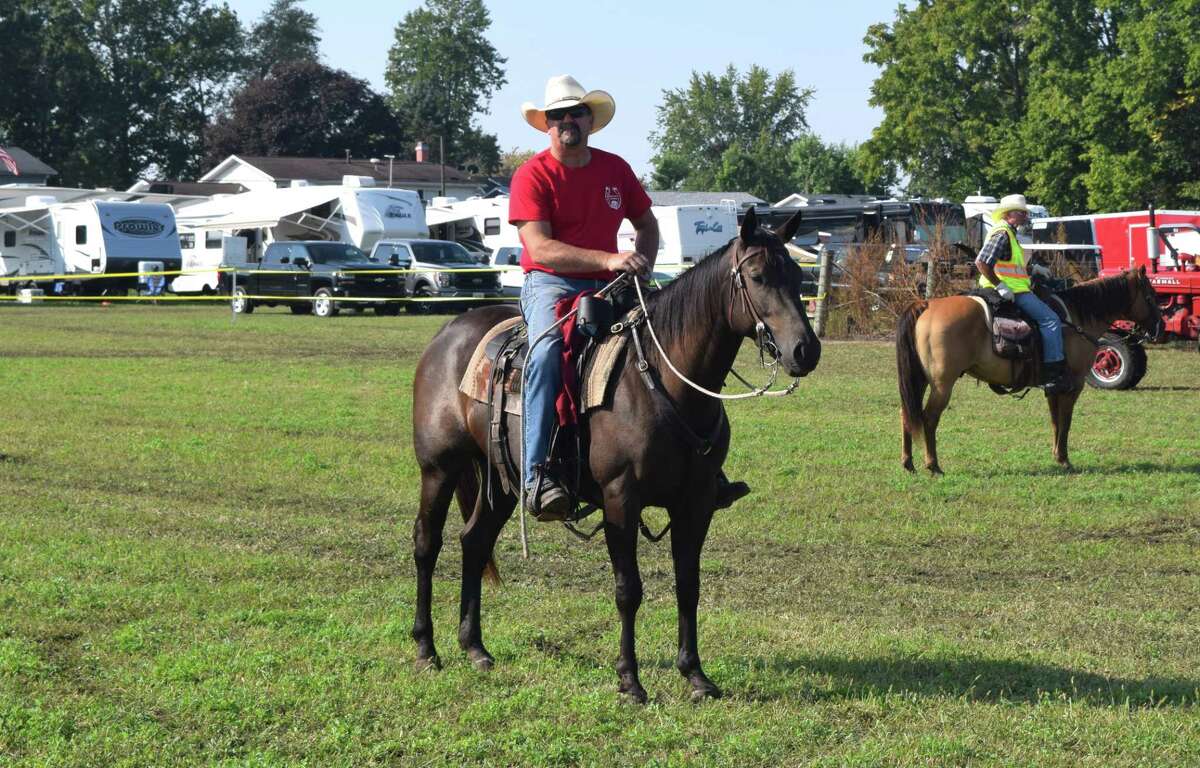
(205, 558)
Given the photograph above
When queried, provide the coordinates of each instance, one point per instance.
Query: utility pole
(442, 162)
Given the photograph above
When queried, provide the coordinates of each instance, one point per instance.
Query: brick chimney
(422, 152)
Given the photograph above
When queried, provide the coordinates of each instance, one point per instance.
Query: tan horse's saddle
(1014, 334)
(494, 373)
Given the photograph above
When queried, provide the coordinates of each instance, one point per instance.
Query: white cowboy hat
(1010, 203)
(565, 91)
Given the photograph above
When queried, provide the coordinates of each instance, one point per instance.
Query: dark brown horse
(637, 451)
(940, 340)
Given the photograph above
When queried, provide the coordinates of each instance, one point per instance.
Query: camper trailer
(238, 228)
(686, 234)
(44, 237)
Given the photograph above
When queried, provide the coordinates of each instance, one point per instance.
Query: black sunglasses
(577, 111)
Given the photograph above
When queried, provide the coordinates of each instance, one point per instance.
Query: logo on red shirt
(613, 196)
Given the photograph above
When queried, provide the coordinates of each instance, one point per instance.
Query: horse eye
(757, 277)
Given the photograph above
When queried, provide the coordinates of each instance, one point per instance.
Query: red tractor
(1167, 243)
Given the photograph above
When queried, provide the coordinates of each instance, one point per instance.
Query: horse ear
(749, 225)
(788, 230)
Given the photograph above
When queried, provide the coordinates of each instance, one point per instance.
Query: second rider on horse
(1002, 266)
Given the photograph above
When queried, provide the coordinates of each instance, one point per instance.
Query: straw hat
(1009, 203)
(565, 91)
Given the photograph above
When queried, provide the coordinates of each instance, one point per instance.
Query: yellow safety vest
(1012, 272)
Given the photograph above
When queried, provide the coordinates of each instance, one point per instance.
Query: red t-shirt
(585, 206)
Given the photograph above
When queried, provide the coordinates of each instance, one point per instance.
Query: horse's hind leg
(478, 540)
(437, 486)
(939, 398)
(689, 527)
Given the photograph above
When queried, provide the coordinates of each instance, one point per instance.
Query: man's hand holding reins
(628, 261)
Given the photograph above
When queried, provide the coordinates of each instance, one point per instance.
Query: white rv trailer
(44, 237)
(237, 228)
(686, 234)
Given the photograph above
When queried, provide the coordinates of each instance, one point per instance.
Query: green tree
(1143, 110)
(513, 159)
(285, 32)
(304, 108)
(110, 91)
(442, 72)
(837, 168)
(729, 131)
(1082, 105)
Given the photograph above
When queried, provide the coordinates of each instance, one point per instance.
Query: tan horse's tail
(467, 494)
(911, 375)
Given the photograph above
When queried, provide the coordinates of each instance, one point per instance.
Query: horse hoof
(935, 471)
(481, 660)
(907, 464)
(633, 694)
(428, 664)
(705, 692)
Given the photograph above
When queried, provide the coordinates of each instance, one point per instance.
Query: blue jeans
(543, 370)
(1048, 325)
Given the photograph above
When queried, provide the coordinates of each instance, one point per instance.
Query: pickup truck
(310, 276)
(429, 261)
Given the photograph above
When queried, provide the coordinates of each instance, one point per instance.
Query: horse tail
(911, 375)
(468, 495)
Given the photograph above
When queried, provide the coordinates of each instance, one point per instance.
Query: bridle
(767, 347)
(1147, 293)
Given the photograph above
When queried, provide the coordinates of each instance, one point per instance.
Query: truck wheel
(242, 305)
(417, 306)
(323, 304)
(1118, 364)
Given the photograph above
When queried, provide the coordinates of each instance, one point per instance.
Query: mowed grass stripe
(205, 558)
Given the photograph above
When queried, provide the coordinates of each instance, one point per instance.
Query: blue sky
(634, 50)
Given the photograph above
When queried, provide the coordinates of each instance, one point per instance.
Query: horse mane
(1099, 298)
(701, 291)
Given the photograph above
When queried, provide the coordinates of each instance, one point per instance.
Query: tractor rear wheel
(1119, 363)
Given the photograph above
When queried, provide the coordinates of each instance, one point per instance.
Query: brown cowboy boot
(1057, 378)
(547, 501)
(729, 492)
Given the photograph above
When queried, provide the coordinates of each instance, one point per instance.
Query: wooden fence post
(824, 278)
(930, 277)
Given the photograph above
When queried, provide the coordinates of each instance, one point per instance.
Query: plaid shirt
(997, 247)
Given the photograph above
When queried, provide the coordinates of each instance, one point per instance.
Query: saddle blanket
(595, 387)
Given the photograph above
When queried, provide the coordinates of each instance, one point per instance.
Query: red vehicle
(1167, 243)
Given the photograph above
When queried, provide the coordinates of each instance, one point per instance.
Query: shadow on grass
(1168, 389)
(1053, 470)
(973, 679)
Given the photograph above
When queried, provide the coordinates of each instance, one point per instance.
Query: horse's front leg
(689, 528)
(1062, 409)
(621, 516)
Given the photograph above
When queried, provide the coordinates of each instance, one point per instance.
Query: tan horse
(940, 340)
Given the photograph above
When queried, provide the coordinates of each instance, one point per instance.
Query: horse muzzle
(803, 357)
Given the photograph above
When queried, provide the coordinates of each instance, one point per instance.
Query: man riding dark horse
(568, 202)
